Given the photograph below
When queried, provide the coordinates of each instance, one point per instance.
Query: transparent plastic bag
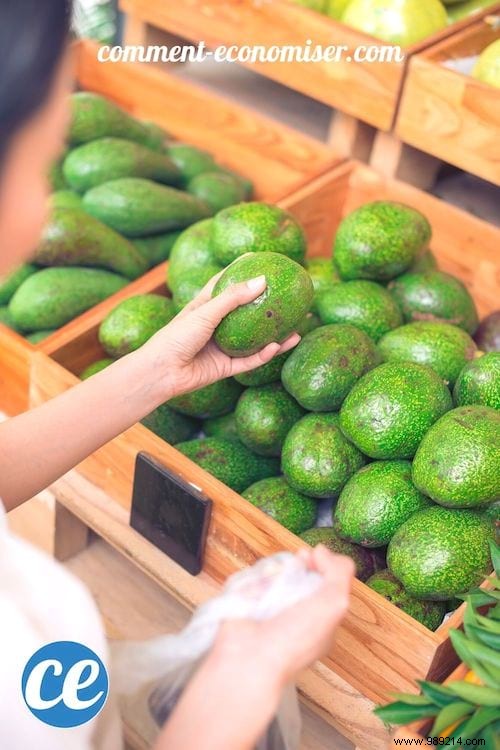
(151, 676)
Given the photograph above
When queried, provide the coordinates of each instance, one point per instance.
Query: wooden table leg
(392, 158)
(70, 534)
(350, 137)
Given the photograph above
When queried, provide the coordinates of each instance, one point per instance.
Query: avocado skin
(317, 459)
(37, 336)
(375, 502)
(54, 296)
(93, 116)
(426, 262)
(229, 461)
(457, 463)
(137, 207)
(271, 371)
(221, 427)
(212, 400)
(6, 319)
(73, 238)
(190, 253)
(96, 367)
(390, 409)
(492, 514)
(439, 553)
(379, 240)
(10, 284)
(322, 369)
(157, 248)
(435, 296)
(190, 161)
(479, 382)
(133, 321)
(280, 501)
(107, 159)
(256, 227)
(487, 336)
(323, 276)
(430, 614)
(56, 175)
(65, 199)
(217, 189)
(365, 561)
(275, 314)
(190, 286)
(363, 304)
(264, 416)
(170, 425)
(441, 346)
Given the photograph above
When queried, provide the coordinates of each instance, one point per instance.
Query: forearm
(226, 705)
(39, 446)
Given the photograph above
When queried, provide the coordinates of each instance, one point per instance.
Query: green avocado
(190, 253)
(367, 563)
(429, 613)
(222, 427)
(468, 8)
(93, 116)
(96, 367)
(37, 336)
(65, 199)
(256, 227)
(212, 400)
(487, 67)
(288, 507)
(73, 238)
(479, 382)
(439, 553)
(335, 8)
(54, 296)
(424, 263)
(7, 320)
(390, 409)
(275, 314)
(492, 514)
(229, 461)
(189, 286)
(364, 304)
(317, 459)
(441, 346)
(56, 176)
(264, 416)
(137, 207)
(157, 248)
(435, 296)
(217, 189)
(375, 502)
(379, 240)
(191, 161)
(400, 22)
(457, 463)
(245, 182)
(133, 321)
(323, 276)
(322, 369)
(170, 425)
(10, 284)
(106, 159)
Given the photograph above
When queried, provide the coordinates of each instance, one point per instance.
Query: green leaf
(438, 694)
(400, 713)
(483, 660)
(481, 635)
(495, 556)
(488, 623)
(449, 715)
(491, 737)
(478, 597)
(494, 613)
(411, 700)
(482, 718)
(476, 694)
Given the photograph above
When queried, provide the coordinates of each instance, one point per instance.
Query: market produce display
(389, 411)
(487, 67)
(122, 193)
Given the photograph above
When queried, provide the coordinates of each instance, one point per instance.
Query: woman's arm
(38, 447)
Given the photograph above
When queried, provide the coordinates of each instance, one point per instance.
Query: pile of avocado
(123, 192)
(386, 411)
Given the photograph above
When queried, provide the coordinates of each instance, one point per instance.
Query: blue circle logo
(65, 684)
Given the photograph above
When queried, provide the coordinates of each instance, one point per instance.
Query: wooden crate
(453, 116)
(378, 648)
(369, 92)
(276, 158)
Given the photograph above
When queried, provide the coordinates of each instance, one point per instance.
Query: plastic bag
(151, 676)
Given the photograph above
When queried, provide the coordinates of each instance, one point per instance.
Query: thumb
(213, 311)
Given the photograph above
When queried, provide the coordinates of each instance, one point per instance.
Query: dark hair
(33, 35)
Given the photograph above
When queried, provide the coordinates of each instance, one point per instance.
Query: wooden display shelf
(367, 91)
(276, 158)
(378, 648)
(451, 115)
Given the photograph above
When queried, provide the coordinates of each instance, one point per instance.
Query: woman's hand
(184, 355)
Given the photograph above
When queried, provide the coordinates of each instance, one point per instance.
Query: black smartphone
(170, 513)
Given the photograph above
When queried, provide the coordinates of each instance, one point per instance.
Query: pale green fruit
(487, 68)
(402, 22)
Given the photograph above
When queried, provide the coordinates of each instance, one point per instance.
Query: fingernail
(256, 283)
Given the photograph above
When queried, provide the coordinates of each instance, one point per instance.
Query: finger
(234, 296)
(244, 364)
(289, 343)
